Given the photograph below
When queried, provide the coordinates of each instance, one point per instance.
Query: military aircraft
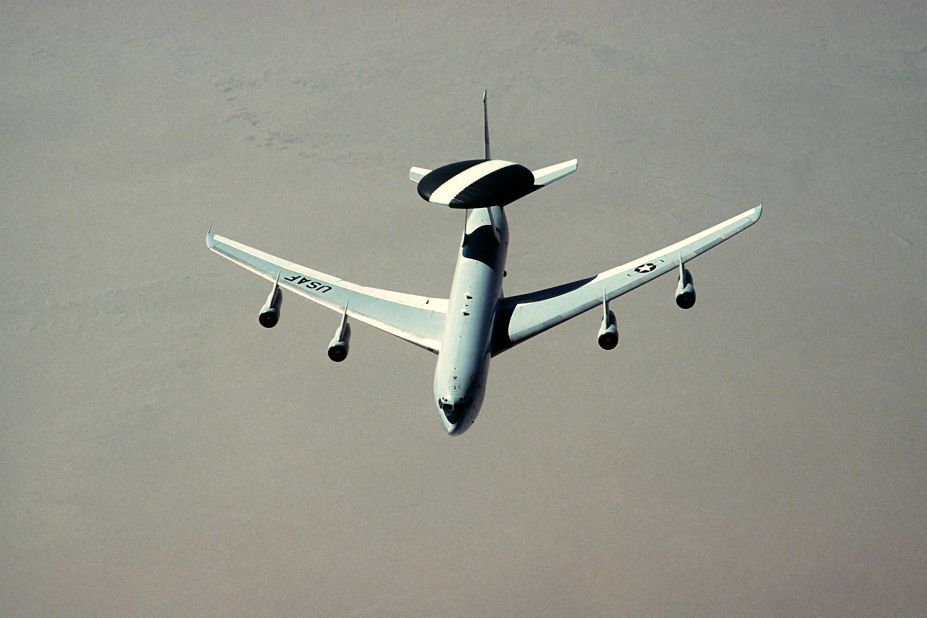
(477, 321)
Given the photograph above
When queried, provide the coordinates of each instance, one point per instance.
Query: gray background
(760, 455)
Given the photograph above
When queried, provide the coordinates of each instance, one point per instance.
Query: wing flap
(417, 319)
(526, 315)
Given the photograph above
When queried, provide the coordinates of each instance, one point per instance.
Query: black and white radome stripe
(477, 184)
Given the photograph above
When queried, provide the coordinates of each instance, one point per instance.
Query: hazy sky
(764, 454)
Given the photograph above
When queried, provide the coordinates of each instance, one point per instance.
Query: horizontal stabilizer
(547, 175)
(417, 173)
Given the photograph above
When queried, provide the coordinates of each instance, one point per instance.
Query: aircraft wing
(526, 315)
(416, 319)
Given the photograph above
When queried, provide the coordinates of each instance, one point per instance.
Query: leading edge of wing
(417, 319)
(526, 315)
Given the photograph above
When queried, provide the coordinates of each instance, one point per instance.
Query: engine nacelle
(685, 290)
(608, 332)
(270, 312)
(338, 347)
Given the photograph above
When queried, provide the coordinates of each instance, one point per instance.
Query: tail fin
(485, 129)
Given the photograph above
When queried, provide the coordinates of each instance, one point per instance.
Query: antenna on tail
(485, 129)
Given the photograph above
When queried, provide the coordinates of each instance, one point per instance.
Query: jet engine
(338, 347)
(608, 332)
(270, 312)
(685, 291)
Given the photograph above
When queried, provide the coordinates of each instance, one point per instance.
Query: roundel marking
(645, 268)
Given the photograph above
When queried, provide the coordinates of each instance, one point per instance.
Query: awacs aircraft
(477, 321)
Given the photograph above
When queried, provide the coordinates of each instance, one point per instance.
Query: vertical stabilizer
(485, 129)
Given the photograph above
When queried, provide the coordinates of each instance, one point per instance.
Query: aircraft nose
(453, 414)
(451, 410)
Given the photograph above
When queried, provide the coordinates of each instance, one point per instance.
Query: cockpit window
(453, 412)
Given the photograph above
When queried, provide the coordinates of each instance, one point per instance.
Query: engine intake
(270, 312)
(339, 346)
(685, 290)
(608, 332)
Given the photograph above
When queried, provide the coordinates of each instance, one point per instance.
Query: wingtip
(758, 211)
(210, 238)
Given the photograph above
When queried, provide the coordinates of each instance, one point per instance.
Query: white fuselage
(466, 346)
